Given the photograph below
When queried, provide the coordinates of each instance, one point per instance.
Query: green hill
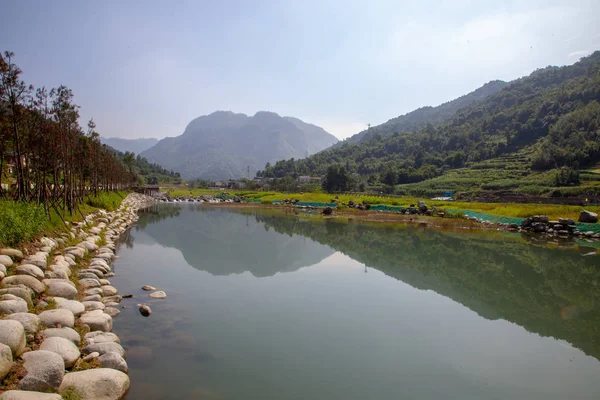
(147, 173)
(518, 139)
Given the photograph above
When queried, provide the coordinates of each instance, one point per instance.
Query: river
(264, 305)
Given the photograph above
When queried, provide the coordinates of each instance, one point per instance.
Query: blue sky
(147, 68)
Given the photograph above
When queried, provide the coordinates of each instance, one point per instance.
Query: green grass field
(22, 222)
(517, 210)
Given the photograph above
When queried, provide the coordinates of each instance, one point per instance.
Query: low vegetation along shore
(510, 210)
(57, 307)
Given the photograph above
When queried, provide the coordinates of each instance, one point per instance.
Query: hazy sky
(147, 68)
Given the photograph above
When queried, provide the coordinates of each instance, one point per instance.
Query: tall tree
(14, 93)
(336, 180)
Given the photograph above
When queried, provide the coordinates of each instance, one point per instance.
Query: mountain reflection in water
(552, 292)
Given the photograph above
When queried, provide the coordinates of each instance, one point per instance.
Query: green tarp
(583, 227)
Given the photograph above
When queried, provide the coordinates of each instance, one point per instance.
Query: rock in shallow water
(109, 290)
(148, 288)
(113, 312)
(158, 295)
(104, 347)
(101, 337)
(113, 360)
(145, 310)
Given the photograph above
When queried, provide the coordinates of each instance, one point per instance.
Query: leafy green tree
(336, 180)
(389, 177)
(129, 161)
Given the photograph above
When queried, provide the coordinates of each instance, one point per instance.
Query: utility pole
(248, 172)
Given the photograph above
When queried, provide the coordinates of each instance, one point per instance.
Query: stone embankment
(205, 198)
(561, 227)
(586, 227)
(57, 308)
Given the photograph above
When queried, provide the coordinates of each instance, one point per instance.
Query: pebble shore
(57, 307)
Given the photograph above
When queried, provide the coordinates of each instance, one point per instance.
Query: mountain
(541, 128)
(132, 145)
(420, 117)
(224, 144)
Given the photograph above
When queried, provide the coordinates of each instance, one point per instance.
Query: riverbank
(552, 226)
(57, 306)
(21, 222)
(507, 209)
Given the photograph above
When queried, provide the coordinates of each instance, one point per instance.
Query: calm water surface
(263, 305)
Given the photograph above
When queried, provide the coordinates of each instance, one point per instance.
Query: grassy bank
(22, 222)
(517, 210)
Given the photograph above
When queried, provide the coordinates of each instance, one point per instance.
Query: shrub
(566, 176)
(20, 222)
(109, 201)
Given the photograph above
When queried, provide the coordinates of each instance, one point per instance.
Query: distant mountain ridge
(224, 144)
(132, 145)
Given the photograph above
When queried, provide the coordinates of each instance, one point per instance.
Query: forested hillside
(144, 171)
(545, 121)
